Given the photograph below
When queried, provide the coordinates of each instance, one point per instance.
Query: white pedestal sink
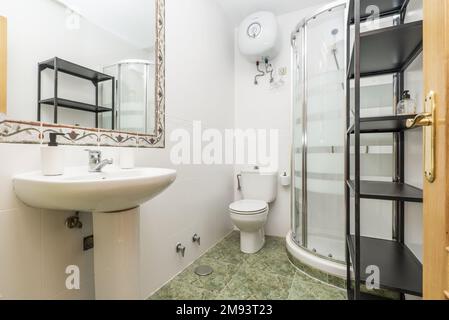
(114, 197)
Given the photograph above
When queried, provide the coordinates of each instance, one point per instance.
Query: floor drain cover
(204, 271)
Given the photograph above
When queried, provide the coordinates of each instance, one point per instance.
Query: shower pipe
(259, 75)
(269, 70)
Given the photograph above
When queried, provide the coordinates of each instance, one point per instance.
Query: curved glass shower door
(319, 121)
(135, 96)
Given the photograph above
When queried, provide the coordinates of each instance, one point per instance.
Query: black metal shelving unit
(70, 68)
(383, 51)
(386, 8)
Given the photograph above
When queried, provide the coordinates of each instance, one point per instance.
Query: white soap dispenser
(52, 157)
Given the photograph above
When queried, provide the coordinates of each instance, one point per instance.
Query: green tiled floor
(267, 275)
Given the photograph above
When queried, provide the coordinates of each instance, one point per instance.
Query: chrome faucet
(95, 162)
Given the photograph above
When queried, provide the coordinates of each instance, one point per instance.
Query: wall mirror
(86, 68)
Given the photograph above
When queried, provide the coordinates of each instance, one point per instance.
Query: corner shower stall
(318, 216)
(317, 237)
(135, 110)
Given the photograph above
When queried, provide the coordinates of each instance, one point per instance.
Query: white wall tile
(15, 160)
(20, 254)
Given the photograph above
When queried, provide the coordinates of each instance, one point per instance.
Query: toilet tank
(258, 185)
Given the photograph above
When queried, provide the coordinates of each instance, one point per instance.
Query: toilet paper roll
(127, 158)
(285, 180)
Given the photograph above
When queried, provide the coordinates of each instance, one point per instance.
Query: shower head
(334, 49)
(334, 33)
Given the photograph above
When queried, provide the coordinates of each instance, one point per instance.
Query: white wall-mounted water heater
(259, 38)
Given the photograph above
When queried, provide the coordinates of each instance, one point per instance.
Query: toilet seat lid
(248, 206)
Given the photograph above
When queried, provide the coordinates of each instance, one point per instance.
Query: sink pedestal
(117, 255)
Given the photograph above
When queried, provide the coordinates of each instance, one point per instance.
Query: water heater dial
(254, 30)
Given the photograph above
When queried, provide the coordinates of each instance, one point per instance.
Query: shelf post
(348, 159)
(403, 11)
(96, 104)
(356, 263)
(399, 165)
(399, 150)
(113, 103)
(39, 95)
(55, 119)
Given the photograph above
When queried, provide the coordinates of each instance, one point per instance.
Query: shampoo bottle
(52, 157)
(407, 105)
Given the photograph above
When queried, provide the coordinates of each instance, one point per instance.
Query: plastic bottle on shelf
(407, 105)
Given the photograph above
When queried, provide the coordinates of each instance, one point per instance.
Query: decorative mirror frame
(33, 132)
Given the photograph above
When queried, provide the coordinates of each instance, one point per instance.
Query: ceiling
(237, 10)
(126, 19)
(129, 19)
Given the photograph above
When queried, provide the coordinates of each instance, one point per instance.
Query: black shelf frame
(404, 42)
(392, 191)
(75, 105)
(386, 8)
(400, 269)
(366, 296)
(60, 65)
(405, 274)
(384, 124)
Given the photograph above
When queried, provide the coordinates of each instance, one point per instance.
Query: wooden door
(436, 194)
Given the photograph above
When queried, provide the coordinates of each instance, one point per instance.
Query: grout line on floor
(190, 264)
(230, 279)
(318, 280)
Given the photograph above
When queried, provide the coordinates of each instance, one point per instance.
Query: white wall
(35, 246)
(200, 86)
(260, 107)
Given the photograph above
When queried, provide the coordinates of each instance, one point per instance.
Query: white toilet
(250, 214)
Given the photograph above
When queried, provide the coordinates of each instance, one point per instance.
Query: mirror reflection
(82, 62)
